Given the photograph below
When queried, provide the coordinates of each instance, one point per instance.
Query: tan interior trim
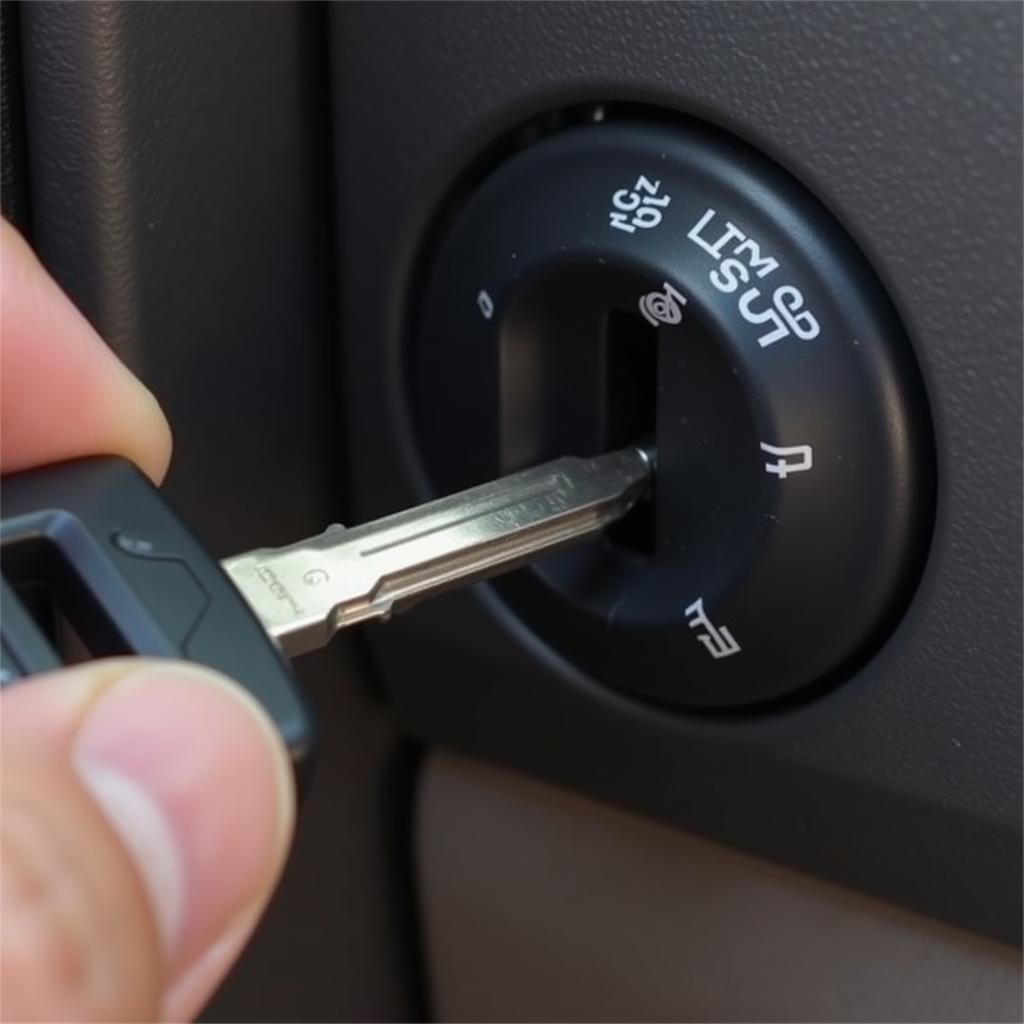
(541, 905)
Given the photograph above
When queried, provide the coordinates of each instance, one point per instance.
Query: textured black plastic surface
(13, 169)
(793, 497)
(905, 121)
(138, 573)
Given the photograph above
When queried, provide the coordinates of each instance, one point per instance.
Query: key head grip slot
(96, 563)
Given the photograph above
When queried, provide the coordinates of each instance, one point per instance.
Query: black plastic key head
(95, 564)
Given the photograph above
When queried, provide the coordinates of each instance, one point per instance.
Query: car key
(95, 563)
(305, 592)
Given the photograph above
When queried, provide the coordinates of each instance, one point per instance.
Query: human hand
(146, 807)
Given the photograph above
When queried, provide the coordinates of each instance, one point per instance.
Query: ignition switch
(627, 281)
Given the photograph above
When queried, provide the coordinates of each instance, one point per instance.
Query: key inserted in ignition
(305, 592)
(95, 563)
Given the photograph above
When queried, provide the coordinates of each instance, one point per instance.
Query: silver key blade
(306, 592)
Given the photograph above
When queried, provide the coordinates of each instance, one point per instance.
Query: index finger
(63, 393)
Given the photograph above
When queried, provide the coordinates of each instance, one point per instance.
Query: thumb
(147, 808)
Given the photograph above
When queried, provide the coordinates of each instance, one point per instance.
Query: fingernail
(191, 775)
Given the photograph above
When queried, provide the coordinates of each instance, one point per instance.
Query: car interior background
(366, 253)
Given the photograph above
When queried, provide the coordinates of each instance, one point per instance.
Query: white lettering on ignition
(783, 312)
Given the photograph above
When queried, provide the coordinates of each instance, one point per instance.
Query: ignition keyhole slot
(579, 375)
(630, 350)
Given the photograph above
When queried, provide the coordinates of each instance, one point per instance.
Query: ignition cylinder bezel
(795, 490)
